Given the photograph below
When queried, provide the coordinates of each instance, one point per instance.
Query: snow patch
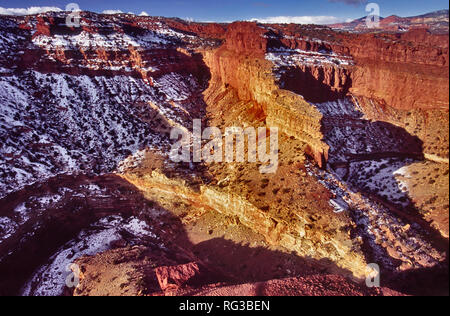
(50, 279)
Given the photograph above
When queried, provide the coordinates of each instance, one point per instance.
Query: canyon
(86, 177)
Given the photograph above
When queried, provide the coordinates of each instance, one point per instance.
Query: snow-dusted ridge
(283, 57)
(54, 122)
(50, 279)
(79, 123)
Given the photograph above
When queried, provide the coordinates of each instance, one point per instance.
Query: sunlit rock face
(85, 174)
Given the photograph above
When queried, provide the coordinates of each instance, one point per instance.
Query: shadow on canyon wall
(46, 230)
(367, 155)
(312, 87)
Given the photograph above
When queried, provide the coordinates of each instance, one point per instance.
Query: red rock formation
(409, 71)
(318, 83)
(207, 30)
(404, 75)
(394, 71)
(246, 38)
(43, 26)
(171, 278)
(406, 70)
(240, 65)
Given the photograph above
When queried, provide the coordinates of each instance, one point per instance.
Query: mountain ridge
(436, 21)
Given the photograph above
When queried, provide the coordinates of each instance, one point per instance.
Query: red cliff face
(239, 68)
(206, 30)
(408, 71)
(246, 38)
(390, 74)
(43, 26)
(75, 51)
(318, 83)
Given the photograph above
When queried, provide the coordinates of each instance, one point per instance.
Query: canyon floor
(91, 202)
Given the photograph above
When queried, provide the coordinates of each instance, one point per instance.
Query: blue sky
(231, 10)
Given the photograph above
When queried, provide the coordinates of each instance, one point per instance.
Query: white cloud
(299, 20)
(27, 11)
(112, 12)
(143, 13)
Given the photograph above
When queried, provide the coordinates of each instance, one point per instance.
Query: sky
(297, 11)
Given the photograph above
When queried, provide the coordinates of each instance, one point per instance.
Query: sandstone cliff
(240, 65)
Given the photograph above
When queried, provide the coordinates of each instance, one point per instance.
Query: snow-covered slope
(62, 119)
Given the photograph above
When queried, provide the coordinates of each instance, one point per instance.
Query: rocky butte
(86, 181)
